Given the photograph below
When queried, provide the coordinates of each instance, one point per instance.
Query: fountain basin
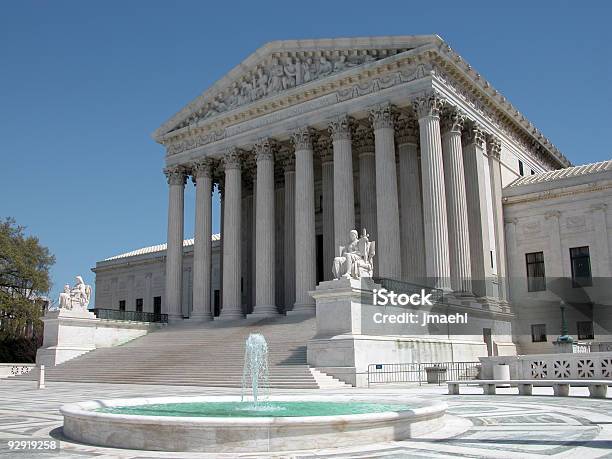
(84, 422)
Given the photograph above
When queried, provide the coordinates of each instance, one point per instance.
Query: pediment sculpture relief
(282, 73)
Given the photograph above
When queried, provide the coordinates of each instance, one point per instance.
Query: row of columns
(441, 209)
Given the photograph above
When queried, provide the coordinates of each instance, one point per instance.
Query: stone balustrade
(592, 365)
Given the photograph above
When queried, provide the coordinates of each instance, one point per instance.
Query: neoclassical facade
(400, 134)
(306, 140)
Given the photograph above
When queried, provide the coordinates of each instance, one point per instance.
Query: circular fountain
(257, 423)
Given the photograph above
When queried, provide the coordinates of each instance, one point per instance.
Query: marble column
(327, 182)
(305, 245)
(494, 152)
(434, 195)
(289, 228)
(411, 206)
(177, 178)
(456, 202)
(344, 188)
(476, 194)
(387, 204)
(202, 247)
(364, 146)
(221, 188)
(232, 268)
(265, 304)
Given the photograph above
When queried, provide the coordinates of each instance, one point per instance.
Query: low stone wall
(14, 369)
(69, 334)
(592, 365)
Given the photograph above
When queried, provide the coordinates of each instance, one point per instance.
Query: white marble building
(558, 228)
(308, 139)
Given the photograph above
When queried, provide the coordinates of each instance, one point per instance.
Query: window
(536, 280)
(538, 333)
(138, 304)
(157, 305)
(532, 172)
(585, 330)
(122, 305)
(521, 168)
(581, 267)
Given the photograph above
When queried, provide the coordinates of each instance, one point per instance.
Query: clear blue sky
(84, 84)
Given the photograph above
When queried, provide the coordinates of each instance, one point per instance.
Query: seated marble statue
(356, 259)
(77, 297)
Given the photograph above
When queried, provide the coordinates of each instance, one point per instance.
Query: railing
(433, 373)
(134, 316)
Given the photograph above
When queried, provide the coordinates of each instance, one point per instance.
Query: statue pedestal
(67, 334)
(339, 347)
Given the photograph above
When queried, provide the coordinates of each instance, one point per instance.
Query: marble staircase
(205, 354)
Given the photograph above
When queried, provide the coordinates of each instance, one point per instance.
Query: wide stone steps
(209, 354)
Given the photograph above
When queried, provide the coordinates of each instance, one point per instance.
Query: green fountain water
(250, 410)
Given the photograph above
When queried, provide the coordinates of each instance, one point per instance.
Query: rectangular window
(585, 330)
(521, 168)
(538, 333)
(139, 304)
(122, 305)
(157, 305)
(581, 267)
(536, 277)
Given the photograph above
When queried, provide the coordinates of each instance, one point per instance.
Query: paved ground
(500, 426)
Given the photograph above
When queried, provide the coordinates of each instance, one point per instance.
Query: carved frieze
(279, 73)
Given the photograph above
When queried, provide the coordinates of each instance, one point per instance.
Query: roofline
(568, 177)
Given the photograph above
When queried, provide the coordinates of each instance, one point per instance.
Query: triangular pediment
(283, 65)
